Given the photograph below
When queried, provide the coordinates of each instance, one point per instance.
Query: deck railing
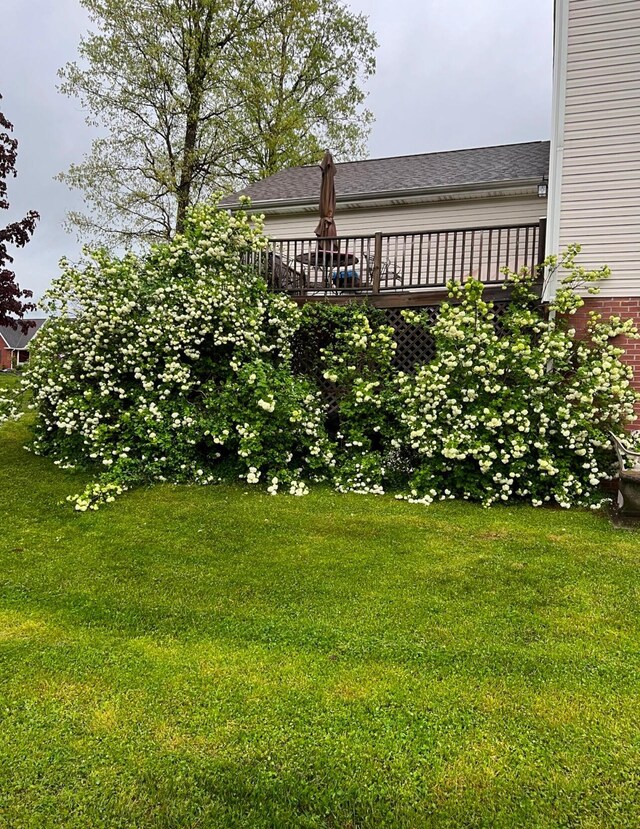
(397, 262)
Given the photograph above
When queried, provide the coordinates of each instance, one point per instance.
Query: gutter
(407, 196)
(560, 51)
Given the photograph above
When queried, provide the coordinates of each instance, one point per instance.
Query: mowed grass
(214, 657)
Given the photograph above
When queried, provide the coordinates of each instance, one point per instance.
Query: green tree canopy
(196, 96)
(311, 58)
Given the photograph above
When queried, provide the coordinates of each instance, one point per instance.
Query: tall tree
(196, 96)
(12, 298)
(310, 60)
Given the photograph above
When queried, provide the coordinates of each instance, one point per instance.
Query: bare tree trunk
(187, 172)
(196, 52)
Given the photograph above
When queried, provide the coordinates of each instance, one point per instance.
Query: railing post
(542, 241)
(377, 263)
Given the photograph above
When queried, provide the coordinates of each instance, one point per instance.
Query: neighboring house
(430, 191)
(594, 183)
(14, 345)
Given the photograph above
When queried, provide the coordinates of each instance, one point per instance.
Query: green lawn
(193, 657)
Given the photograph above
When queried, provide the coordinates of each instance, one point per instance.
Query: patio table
(324, 263)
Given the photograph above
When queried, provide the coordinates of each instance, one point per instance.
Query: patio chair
(281, 276)
(628, 478)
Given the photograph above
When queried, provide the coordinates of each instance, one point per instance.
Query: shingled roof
(15, 338)
(408, 174)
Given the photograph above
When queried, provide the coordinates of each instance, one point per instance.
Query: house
(415, 222)
(407, 225)
(430, 191)
(14, 351)
(594, 181)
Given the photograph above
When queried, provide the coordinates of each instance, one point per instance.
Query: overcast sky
(451, 74)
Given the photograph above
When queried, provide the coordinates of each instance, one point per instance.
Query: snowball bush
(9, 408)
(179, 366)
(176, 367)
(358, 363)
(524, 414)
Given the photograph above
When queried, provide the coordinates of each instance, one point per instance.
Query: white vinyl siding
(600, 189)
(442, 215)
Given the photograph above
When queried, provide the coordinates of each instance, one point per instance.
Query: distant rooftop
(16, 339)
(378, 177)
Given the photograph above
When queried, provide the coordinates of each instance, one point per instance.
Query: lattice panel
(415, 344)
(416, 347)
(498, 309)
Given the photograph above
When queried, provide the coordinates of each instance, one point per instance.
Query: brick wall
(625, 308)
(5, 356)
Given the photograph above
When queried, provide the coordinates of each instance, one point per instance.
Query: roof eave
(22, 346)
(389, 196)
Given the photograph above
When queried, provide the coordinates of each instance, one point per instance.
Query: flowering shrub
(9, 406)
(526, 414)
(179, 366)
(359, 366)
(176, 367)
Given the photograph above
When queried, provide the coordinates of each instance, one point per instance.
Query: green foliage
(176, 366)
(526, 414)
(320, 324)
(196, 95)
(9, 397)
(304, 92)
(181, 366)
(359, 366)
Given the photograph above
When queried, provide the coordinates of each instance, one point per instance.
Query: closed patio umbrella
(326, 226)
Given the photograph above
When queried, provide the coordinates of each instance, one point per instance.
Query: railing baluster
(489, 265)
(445, 268)
(428, 276)
(377, 264)
(435, 275)
(473, 239)
(455, 247)
(395, 261)
(422, 259)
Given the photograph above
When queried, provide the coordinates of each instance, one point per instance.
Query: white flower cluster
(165, 367)
(178, 366)
(521, 415)
(96, 494)
(359, 362)
(9, 407)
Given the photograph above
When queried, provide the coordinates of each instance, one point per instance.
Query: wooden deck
(399, 269)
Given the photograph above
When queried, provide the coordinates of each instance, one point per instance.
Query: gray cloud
(451, 74)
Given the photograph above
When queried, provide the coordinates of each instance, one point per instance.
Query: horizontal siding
(619, 38)
(600, 194)
(592, 67)
(605, 136)
(598, 49)
(594, 8)
(616, 118)
(609, 20)
(436, 216)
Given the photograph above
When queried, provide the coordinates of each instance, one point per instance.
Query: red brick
(626, 307)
